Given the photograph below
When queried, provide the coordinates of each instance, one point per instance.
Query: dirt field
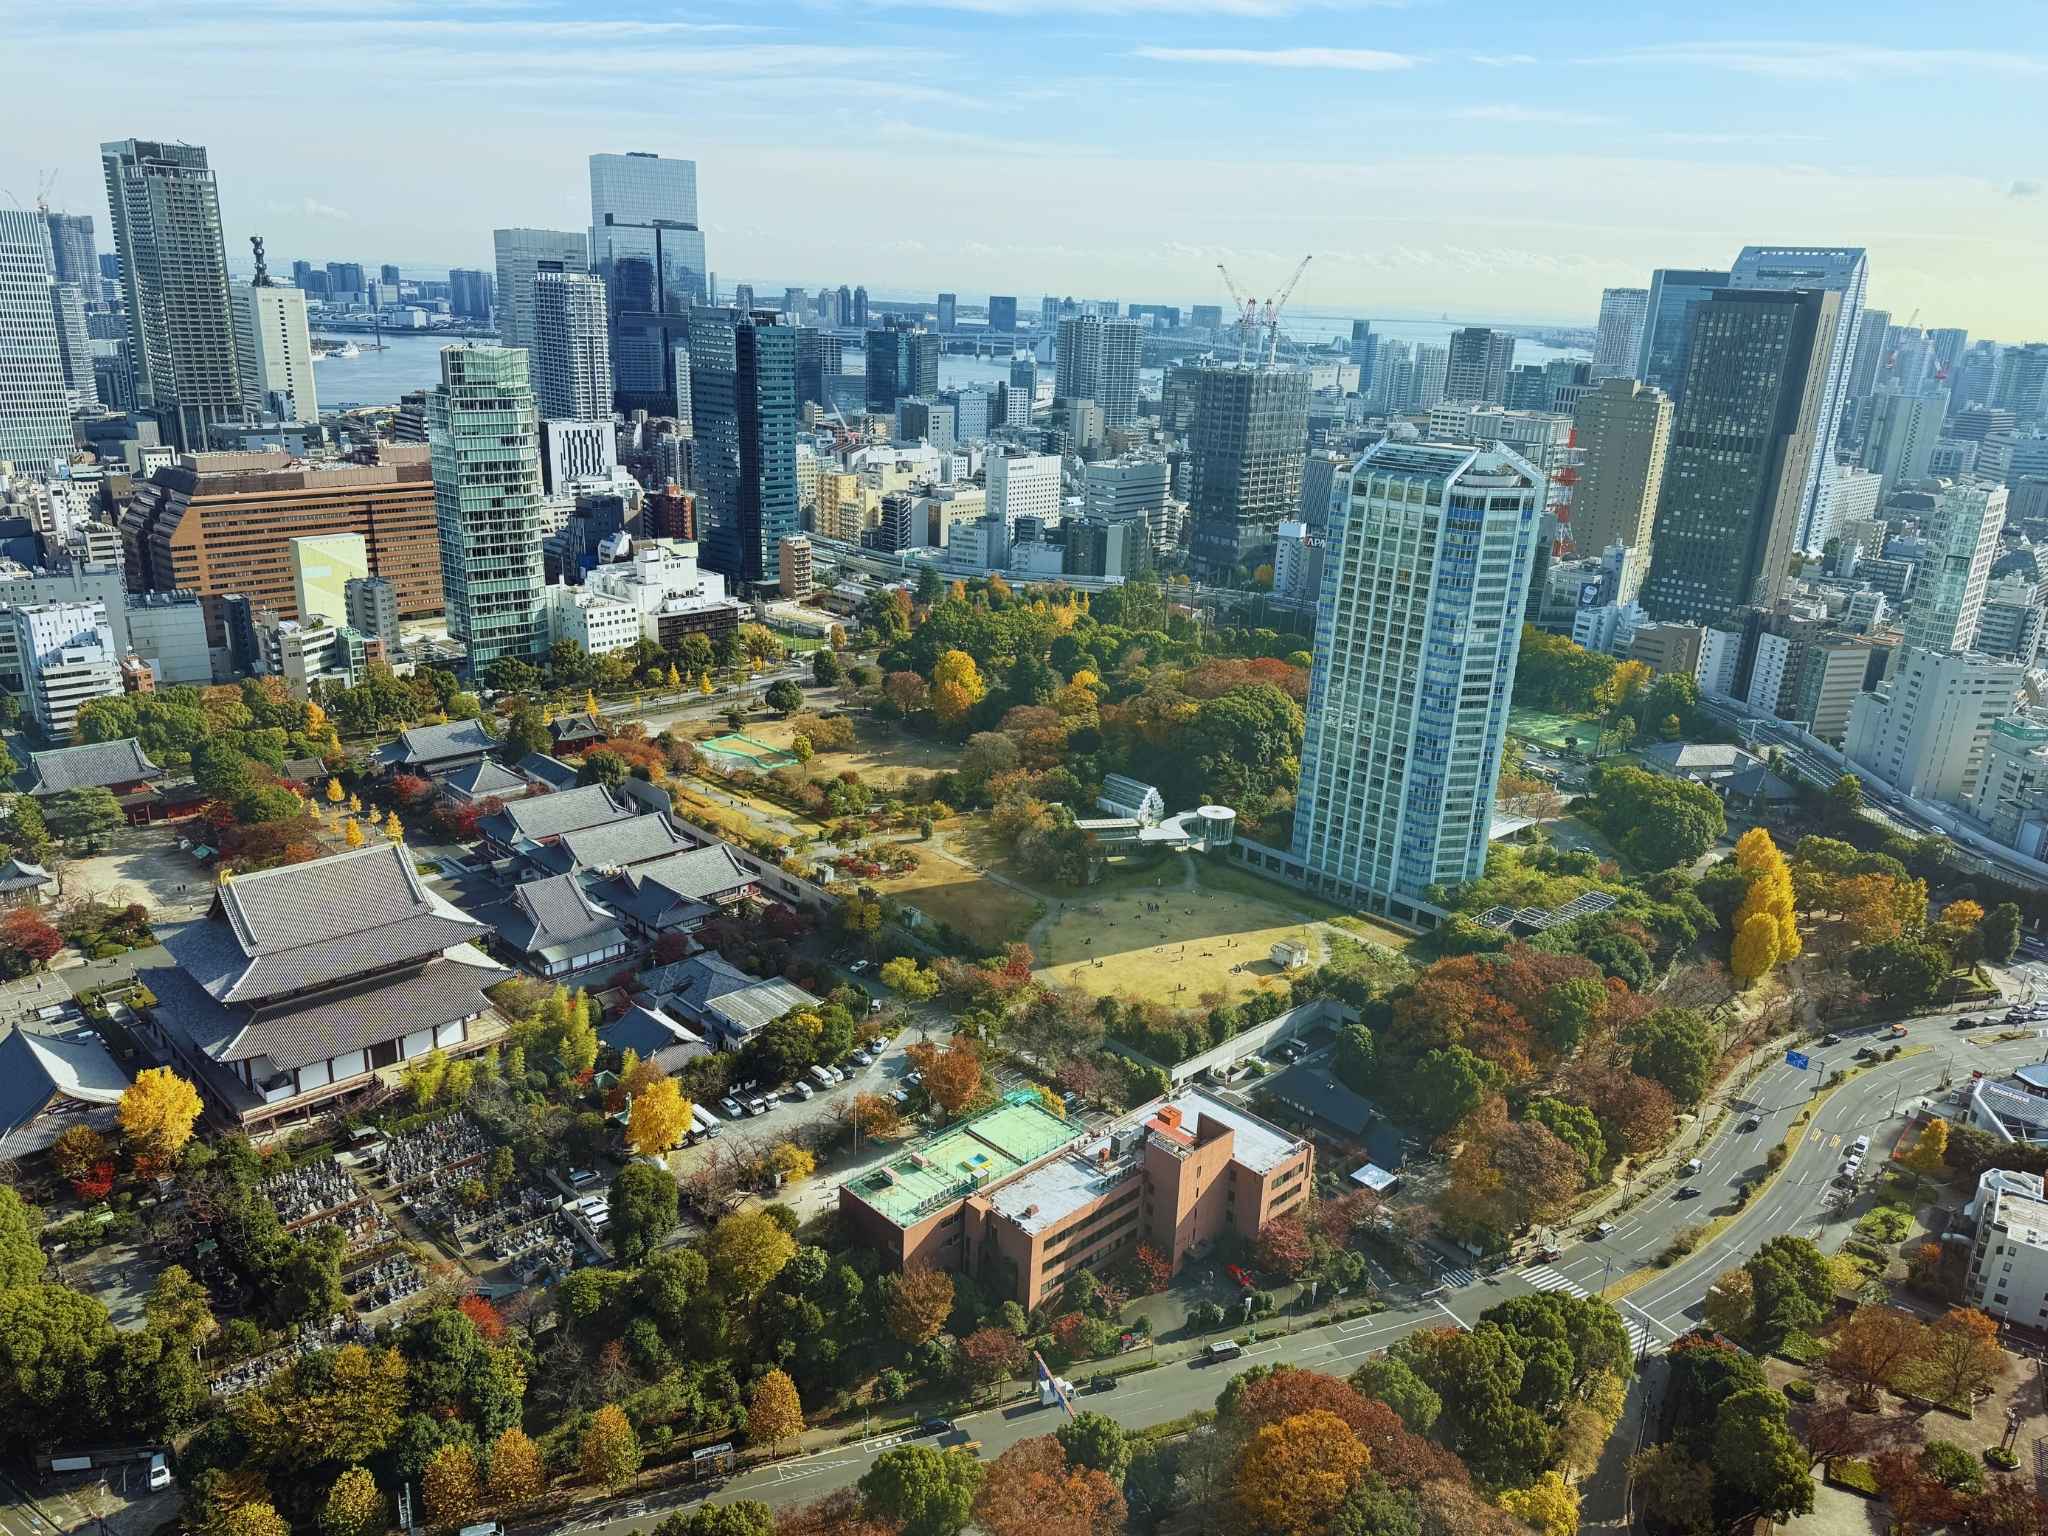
(882, 756)
(988, 912)
(1213, 937)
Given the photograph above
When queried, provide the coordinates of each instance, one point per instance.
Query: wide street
(1872, 1103)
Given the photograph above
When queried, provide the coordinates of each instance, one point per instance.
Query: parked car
(1226, 1349)
(582, 1178)
(1598, 1230)
(1102, 1383)
(806, 1091)
(732, 1109)
(1687, 1192)
(1962, 1024)
(1693, 1166)
(936, 1427)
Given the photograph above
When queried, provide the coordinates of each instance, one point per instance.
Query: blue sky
(1487, 159)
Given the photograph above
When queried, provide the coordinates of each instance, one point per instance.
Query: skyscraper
(1960, 524)
(470, 294)
(483, 436)
(1418, 632)
(902, 359)
(1477, 368)
(35, 413)
(949, 310)
(633, 195)
(387, 273)
(74, 252)
(1832, 269)
(1619, 340)
(74, 344)
(1902, 435)
(274, 352)
(165, 210)
(743, 400)
(1743, 440)
(572, 359)
(859, 310)
(1949, 343)
(1245, 452)
(1676, 293)
(1097, 359)
(1002, 313)
(1429, 387)
(1624, 433)
(522, 254)
(819, 357)
(2022, 381)
(345, 279)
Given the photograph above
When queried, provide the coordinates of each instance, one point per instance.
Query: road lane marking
(1447, 1312)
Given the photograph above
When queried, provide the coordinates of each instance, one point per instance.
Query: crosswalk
(1544, 1278)
(1457, 1277)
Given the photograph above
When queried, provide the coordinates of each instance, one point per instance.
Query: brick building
(1024, 1200)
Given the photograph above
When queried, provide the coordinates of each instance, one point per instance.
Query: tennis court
(739, 750)
(1549, 730)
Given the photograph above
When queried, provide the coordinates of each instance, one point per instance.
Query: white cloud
(313, 208)
(1766, 140)
(1504, 60)
(1845, 62)
(1511, 112)
(1371, 59)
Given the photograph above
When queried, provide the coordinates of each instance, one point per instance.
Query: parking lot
(82, 1504)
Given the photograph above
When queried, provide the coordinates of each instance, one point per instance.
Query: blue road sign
(1797, 1059)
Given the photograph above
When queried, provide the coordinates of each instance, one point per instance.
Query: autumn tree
(1871, 1347)
(774, 1412)
(157, 1113)
(659, 1118)
(1960, 1357)
(872, 1115)
(1770, 890)
(1550, 1505)
(1674, 1490)
(610, 1453)
(792, 1162)
(449, 1487)
(353, 1506)
(1032, 1490)
(1294, 1473)
(745, 1251)
(1730, 1304)
(989, 1356)
(517, 1473)
(258, 1518)
(1756, 949)
(952, 1073)
(1930, 1150)
(956, 687)
(919, 1302)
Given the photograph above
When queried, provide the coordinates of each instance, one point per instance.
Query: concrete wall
(1280, 1028)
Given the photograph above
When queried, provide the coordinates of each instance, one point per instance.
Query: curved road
(1871, 1103)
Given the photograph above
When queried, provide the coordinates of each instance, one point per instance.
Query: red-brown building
(1023, 1201)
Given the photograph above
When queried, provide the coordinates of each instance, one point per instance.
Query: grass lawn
(1549, 730)
(989, 913)
(883, 756)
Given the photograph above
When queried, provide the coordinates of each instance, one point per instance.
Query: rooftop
(2024, 1218)
(96, 765)
(971, 1155)
(1261, 1145)
(433, 743)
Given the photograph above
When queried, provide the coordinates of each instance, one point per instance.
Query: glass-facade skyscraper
(35, 410)
(1675, 293)
(1418, 631)
(646, 244)
(522, 255)
(901, 359)
(1245, 448)
(483, 437)
(743, 402)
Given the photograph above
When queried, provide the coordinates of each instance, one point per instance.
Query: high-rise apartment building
(483, 431)
(743, 400)
(522, 255)
(274, 353)
(74, 252)
(1245, 452)
(1477, 365)
(902, 359)
(1901, 437)
(1927, 728)
(1425, 578)
(571, 353)
(370, 607)
(471, 294)
(35, 410)
(74, 345)
(1002, 313)
(1959, 524)
(1624, 434)
(1097, 359)
(165, 210)
(1429, 382)
(323, 565)
(1743, 438)
(793, 574)
(1840, 270)
(1676, 294)
(1619, 340)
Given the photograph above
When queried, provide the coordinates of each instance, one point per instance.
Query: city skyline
(1569, 164)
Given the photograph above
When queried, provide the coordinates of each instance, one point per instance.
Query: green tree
(526, 732)
(1569, 1009)
(51, 1342)
(1355, 1058)
(826, 670)
(1791, 1286)
(1999, 933)
(784, 697)
(1901, 971)
(925, 1491)
(1394, 1383)
(26, 831)
(1096, 1441)
(1676, 1047)
(645, 1207)
(1447, 1085)
(21, 1254)
(1756, 1455)
(1844, 799)
(1659, 822)
(78, 814)
(1574, 1125)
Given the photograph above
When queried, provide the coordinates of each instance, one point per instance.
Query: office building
(1016, 1193)
(2012, 620)
(323, 565)
(74, 347)
(1426, 575)
(574, 453)
(743, 401)
(1840, 270)
(1127, 487)
(35, 408)
(274, 353)
(902, 359)
(1428, 386)
(1116, 548)
(522, 255)
(370, 608)
(1960, 527)
(1927, 728)
(1742, 440)
(2011, 797)
(1668, 647)
(1865, 367)
(1676, 293)
(67, 658)
(646, 243)
(571, 353)
(1624, 435)
(1002, 313)
(819, 359)
(471, 294)
(1024, 485)
(1619, 340)
(346, 279)
(928, 421)
(1245, 451)
(482, 430)
(1476, 366)
(2021, 382)
(1902, 434)
(1298, 561)
(222, 524)
(949, 310)
(1321, 476)
(2008, 1275)
(1849, 495)
(974, 409)
(673, 595)
(1097, 359)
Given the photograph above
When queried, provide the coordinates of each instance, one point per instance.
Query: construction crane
(1891, 358)
(1252, 316)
